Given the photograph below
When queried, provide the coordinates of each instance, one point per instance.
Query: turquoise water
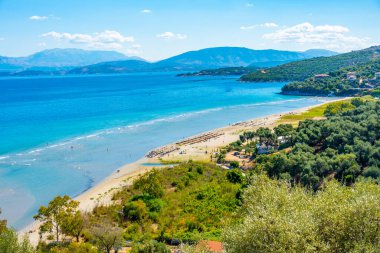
(63, 135)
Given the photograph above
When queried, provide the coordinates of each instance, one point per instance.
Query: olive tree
(107, 236)
(55, 216)
(276, 217)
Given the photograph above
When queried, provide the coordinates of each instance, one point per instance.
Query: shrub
(149, 247)
(278, 218)
(235, 176)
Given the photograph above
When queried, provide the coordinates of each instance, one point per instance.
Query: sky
(157, 29)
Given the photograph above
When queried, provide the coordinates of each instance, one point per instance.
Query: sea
(63, 135)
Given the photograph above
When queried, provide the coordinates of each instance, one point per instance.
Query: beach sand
(197, 148)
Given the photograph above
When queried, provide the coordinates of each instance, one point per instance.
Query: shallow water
(63, 135)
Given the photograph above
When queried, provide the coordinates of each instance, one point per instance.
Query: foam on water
(72, 151)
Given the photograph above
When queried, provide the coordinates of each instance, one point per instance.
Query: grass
(313, 113)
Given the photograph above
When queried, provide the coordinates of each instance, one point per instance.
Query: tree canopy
(276, 217)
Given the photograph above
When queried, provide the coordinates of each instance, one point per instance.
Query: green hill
(301, 70)
(337, 83)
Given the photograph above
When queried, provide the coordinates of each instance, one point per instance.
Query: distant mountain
(114, 67)
(220, 57)
(300, 70)
(58, 58)
(210, 58)
(311, 53)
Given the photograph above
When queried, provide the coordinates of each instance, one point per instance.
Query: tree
(3, 224)
(266, 136)
(135, 210)
(235, 176)
(285, 131)
(9, 243)
(107, 236)
(150, 183)
(73, 225)
(276, 217)
(373, 172)
(234, 164)
(242, 138)
(54, 216)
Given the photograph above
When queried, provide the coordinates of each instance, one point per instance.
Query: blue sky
(156, 29)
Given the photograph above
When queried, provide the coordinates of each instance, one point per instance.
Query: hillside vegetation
(278, 218)
(337, 83)
(345, 146)
(301, 70)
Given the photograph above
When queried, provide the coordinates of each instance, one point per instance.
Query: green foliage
(235, 176)
(73, 225)
(234, 164)
(59, 212)
(196, 199)
(335, 108)
(9, 243)
(337, 82)
(107, 236)
(344, 146)
(284, 130)
(3, 224)
(67, 248)
(278, 218)
(372, 172)
(135, 211)
(300, 70)
(150, 183)
(150, 247)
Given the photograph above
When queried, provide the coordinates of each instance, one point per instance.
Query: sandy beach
(198, 148)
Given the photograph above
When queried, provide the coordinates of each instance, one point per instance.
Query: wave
(67, 144)
(4, 157)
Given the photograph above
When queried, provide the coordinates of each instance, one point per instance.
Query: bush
(235, 176)
(150, 247)
(9, 243)
(150, 183)
(135, 210)
(234, 164)
(373, 172)
(278, 218)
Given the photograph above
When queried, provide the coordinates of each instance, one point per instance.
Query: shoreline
(197, 147)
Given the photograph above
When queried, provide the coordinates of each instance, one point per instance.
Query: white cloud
(249, 5)
(42, 44)
(146, 11)
(136, 46)
(332, 37)
(265, 25)
(111, 40)
(171, 35)
(1, 39)
(38, 17)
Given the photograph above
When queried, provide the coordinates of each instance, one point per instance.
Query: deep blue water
(55, 132)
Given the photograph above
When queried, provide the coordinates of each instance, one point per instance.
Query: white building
(351, 76)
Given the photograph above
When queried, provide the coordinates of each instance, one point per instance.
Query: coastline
(196, 147)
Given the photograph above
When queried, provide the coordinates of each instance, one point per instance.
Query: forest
(301, 70)
(337, 84)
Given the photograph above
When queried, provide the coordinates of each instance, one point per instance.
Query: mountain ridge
(300, 70)
(208, 58)
(62, 57)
